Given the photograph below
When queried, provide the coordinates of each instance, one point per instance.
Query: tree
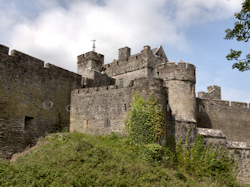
(241, 32)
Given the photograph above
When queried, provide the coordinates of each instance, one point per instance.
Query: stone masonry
(38, 98)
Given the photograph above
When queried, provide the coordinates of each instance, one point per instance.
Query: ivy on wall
(146, 121)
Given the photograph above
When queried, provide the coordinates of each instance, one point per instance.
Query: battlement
(89, 61)
(239, 104)
(148, 58)
(180, 65)
(223, 103)
(134, 83)
(213, 92)
(171, 71)
(212, 88)
(90, 56)
(96, 89)
(125, 65)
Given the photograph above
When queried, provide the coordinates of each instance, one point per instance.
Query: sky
(57, 31)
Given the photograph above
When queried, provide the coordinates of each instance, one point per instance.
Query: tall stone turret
(89, 61)
(180, 80)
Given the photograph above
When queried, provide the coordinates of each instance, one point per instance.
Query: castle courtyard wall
(33, 100)
(233, 120)
(103, 110)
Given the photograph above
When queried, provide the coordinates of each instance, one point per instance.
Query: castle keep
(36, 99)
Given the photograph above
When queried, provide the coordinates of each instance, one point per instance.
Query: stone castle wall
(97, 79)
(35, 99)
(31, 98)
(128, 68)
(180, 81)
(213, 92)
(240, 150)
(233, 120)
(103, 110)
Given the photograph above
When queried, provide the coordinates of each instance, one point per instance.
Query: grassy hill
(74, 159)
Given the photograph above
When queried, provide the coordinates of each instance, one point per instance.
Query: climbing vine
(146, 121)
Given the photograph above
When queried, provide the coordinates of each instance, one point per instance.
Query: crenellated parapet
(90, 56)
(147, 59)
(170, 71)
(96, 89)
(213, 92)
(203, 102)
(88, 62)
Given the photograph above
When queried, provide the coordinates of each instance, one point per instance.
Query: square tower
(124, 52)
(89, 61)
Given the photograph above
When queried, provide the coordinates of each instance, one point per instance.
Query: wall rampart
(33, 99)
(27, 60)
(232, 119)
(58, 71)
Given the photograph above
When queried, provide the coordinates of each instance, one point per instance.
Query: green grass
(75, 159)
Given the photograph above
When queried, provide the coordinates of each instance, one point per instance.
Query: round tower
(180, 81)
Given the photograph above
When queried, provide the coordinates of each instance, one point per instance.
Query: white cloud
(59, 33)
(196, 11)
(66, 33)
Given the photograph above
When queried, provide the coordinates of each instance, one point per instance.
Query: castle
(36, 99)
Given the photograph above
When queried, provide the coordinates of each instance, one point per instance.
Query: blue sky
(57, 31)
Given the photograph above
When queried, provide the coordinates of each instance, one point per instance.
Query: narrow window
(107, 123)
(85, 124)
(124, 107)
(28, 122)
(158, 73)
(121, 81)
